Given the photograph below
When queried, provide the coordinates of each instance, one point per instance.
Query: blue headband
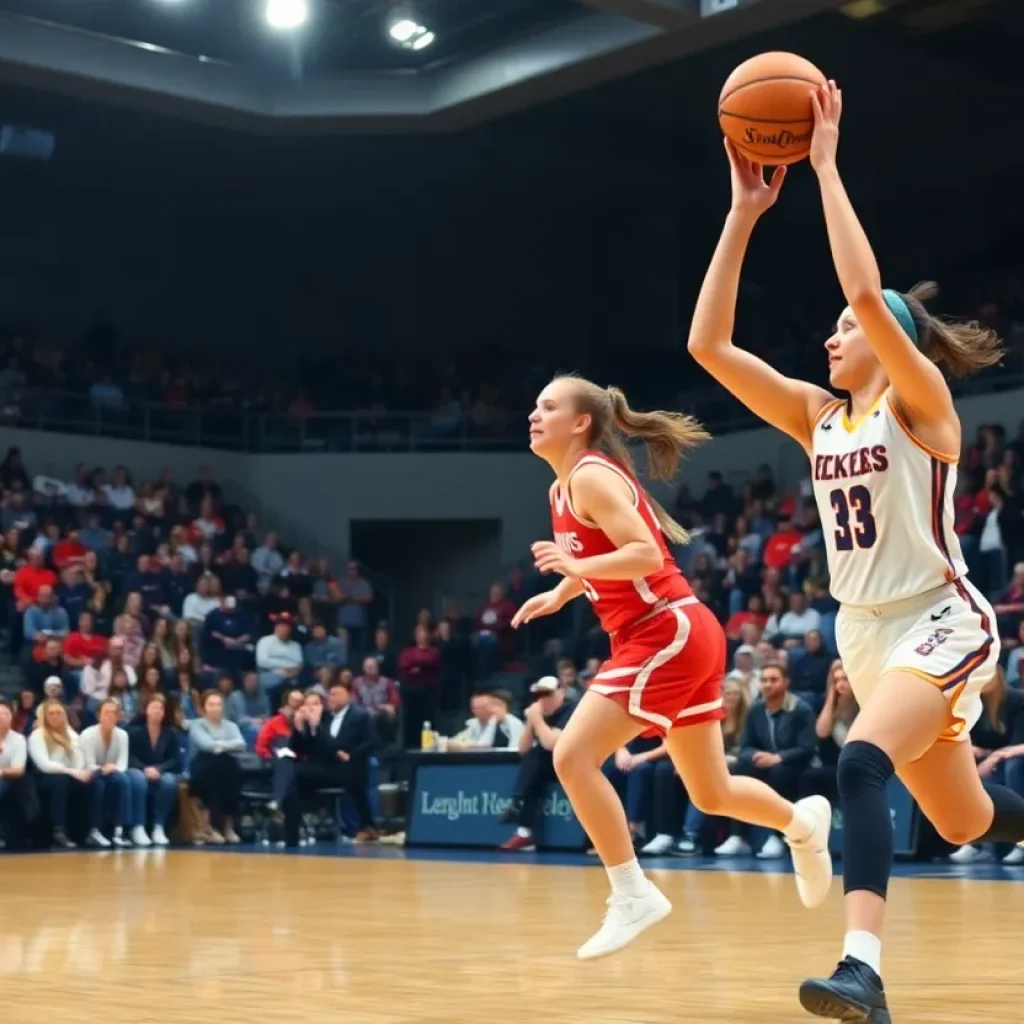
(900, 310)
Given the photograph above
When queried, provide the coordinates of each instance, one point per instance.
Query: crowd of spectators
(468, 393)
(163, 611)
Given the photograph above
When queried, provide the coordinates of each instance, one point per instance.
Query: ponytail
(962, 347)
(667, 436)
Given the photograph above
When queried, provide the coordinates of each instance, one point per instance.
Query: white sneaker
(658, 846)
(1015, 856)
(98, 839)
(773, 848)
(626, 918)
(160, 837)
(686, 847)
(812, 862)
(734, 846)
(967, 855)
(119, 840)
(139, 837)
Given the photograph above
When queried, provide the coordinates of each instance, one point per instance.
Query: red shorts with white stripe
(666, 670)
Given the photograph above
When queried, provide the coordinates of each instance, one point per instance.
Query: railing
(223, 427)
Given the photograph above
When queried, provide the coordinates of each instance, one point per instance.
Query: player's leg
(962, 807)
(598, 727)
(898, 724)
(697, 752)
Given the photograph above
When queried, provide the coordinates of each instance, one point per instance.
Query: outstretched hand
(750, 192)
(827, 105)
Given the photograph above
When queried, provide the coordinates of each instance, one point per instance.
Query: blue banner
(459, 805)
(902, 814)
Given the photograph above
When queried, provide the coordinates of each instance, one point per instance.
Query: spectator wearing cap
(278, 657)
(745, 671)
(227, 636)
(545, 718)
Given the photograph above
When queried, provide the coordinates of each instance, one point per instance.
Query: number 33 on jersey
(886, 505)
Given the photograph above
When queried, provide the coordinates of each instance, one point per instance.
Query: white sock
(118, 830)
(523, 833)
(801, 827)
(865, 947)
(628, 879)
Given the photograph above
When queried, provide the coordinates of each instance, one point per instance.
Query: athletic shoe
(1015, 856)
(160, 837)
(139, 837)
(686, 847)
(812, 863)
(518, 844)
(854, 993)
(626, 918)
(969, 854)
(97, 839)
(734, 846)
(658, 846)
(773, 848)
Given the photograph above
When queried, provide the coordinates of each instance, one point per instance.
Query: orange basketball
(765, 107)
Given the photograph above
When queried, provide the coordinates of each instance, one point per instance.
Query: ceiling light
(406, 30)
(287, 14)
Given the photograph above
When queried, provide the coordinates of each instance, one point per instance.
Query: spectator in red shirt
(495, 638)
(754, 614)
(30, 578)
(419, 669)
(84, 644)
(778, 552)
(278, 728)
(68, 552)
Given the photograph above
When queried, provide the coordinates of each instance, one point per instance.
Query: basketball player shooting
(918, 642)
(668, 650)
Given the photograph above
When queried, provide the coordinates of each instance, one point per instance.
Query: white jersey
(886, 505)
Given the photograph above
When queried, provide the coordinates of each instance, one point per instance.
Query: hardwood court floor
(176, 937)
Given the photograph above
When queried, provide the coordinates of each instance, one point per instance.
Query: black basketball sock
(1008, 822)
(864, 773)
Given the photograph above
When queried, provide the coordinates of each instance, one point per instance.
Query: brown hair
(665, 435)
(963, 347)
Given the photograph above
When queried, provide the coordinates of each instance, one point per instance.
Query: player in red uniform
(668, 650)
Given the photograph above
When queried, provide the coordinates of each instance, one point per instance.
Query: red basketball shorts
(666, 671)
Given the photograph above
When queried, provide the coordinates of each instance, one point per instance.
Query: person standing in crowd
(419, 668)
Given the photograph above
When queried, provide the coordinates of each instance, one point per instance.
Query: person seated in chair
(332, 748)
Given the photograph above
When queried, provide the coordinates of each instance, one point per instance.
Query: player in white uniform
(918, 642)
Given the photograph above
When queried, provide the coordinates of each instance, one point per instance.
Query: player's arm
(605, 498)
(918, 386)
(789, 405)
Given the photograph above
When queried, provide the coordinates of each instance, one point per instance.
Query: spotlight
(406, 30)
(287, 14)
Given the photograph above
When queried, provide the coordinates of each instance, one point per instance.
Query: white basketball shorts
(947, 636)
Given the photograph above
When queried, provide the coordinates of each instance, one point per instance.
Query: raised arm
(917, 384)
(790, 405)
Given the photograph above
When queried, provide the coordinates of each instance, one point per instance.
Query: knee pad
(862, 766)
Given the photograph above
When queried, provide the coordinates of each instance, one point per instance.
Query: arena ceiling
(933, 89)
(217, 60)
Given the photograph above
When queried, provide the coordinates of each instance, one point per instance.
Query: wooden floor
(170, 938)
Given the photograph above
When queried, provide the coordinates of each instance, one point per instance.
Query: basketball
(765, 107)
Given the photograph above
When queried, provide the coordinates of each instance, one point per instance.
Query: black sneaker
(853, 994)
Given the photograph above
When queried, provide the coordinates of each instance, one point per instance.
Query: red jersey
(617, 603)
